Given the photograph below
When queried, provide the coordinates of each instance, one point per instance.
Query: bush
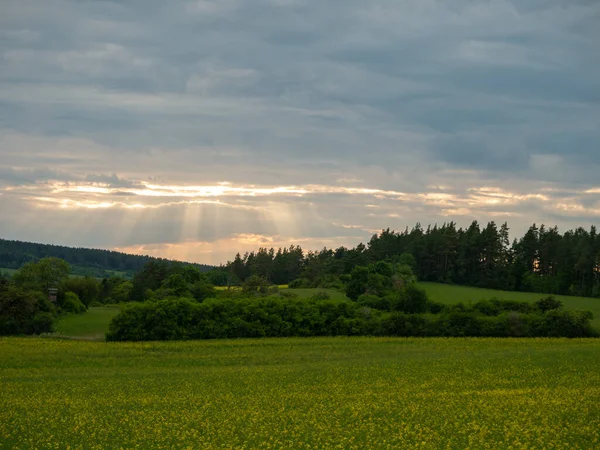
(247, 317)
(24, 312)
(201, 291)
(43, 322)
(374, 301)
(72, 304)
(275, 316)
(87, 288)
(548, 304)
(497, 306)
(434, 307)
(559, 323)
(401, 324)
(255, 285)
(458, 323)
(298, 283)
(414, 299)
(321, 295)
(327, 282)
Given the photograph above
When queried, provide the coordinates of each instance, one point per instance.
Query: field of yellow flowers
(301, 393)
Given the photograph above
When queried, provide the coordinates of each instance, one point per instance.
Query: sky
(194, 129)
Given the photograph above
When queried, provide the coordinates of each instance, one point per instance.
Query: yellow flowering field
(351, 393)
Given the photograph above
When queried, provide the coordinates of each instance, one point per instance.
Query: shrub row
(178, 319)
(25, 312)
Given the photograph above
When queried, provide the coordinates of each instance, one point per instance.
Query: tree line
(83, 261)
(542, 260)
(175, 301)
(383, 299)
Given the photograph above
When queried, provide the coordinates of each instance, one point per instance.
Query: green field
(4, 271)
(445, 293)
(301, 393)
(91, 325)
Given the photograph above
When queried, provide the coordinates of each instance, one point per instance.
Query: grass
(9, 272)
(306, 293)
(449, 294)
(352, 393)
(92, 325)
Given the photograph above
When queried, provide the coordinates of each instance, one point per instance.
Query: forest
(542, 260)
(83, 261)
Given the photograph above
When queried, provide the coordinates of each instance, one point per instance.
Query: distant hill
(83, 261)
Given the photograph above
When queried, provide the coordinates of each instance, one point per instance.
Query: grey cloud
(400, 95)
(10, 176)
(111, 180)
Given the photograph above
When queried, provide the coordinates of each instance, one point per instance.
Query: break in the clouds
(194, 129)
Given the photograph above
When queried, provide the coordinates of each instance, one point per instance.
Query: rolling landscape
(296, 224)
(355, 383)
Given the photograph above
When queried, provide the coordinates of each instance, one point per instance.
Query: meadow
(351, 393)
(450, 294)
(6, 271)
(92, 325)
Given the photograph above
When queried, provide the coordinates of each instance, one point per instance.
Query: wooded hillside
(84, 261)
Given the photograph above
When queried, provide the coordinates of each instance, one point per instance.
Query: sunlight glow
(273, 206)
(223, 189)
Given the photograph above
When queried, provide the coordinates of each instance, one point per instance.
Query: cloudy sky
(193, 129)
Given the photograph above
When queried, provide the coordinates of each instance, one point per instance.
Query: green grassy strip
(449, 294)
(91, 325)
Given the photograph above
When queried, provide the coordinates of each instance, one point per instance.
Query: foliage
(71, 303)
(255, 285)
(202, 289)
(375, 301)
(246, 317)
(24, 312)
(413, 299)
(160, 280)
(177, 319)
(120, 292)
(86, 288)
(221, 277)
(326, 282)
(380, 278)
(84, 261)
(542, 260)
(320, 295)
(42, 275)
(4, 281)
(548, 303)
